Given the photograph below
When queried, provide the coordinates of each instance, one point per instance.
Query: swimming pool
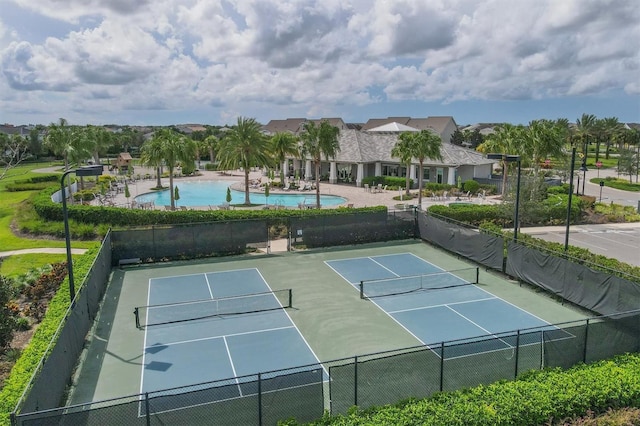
(214, 193)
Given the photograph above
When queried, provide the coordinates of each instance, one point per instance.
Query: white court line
(181, 342)
(295, 326)
(441, 305)
(208, 285)
(480, 327)
(233, 367)
(339, 274)
(384, 266)
(144, 341)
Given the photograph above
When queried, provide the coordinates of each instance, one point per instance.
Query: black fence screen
(49, 383)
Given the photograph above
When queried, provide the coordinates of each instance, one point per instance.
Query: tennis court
(214, 326)
(436, 306)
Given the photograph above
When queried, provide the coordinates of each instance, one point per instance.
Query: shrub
(471, 185)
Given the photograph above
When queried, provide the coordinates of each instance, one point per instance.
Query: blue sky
(207, 61)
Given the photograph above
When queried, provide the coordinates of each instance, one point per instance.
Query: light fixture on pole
(584, 170)
(95, 170)
(506, 158)
(566, 234)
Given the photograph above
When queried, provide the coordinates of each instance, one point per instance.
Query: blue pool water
(214, 193)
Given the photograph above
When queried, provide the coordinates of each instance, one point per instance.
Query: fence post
(586, 337)
(260, 399)
(146, 408)
(355, 380)
(517, 354)
(441, 366)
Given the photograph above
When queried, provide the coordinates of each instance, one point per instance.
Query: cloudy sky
(211, 61)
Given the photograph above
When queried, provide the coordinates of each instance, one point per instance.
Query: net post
(290, 299)
(477, 275)
(135, 312)
(361, 289)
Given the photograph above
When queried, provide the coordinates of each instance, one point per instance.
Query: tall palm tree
(426, 146)
(404, 151)
(317, 142)
(151, 155)
(244, 146)
(507, 139)
(283, 144)
(169, 148)
(211, 144)
(58, 140)
(80, 147)
(543, 139)
(586, 128)
(611, 128)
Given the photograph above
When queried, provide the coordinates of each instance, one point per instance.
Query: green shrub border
(30, 358)
(115, 216)
(537, 397)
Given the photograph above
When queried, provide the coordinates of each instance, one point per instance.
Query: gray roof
(365, 147)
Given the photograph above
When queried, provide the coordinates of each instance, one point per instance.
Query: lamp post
(566, 234)
(583, 169)
(506, 158)
(82, 171)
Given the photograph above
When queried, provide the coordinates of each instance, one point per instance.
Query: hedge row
(48, 210)
(30, 357)
(32, 184)
(539, 397)
(396, 182)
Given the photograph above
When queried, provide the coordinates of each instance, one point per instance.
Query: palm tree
(283, 144)
(426, 145)
(611, 128)
(404, 151)
(244, 146)
(507, 139)
(586, 128)
(211, 144)
(543, 139)
(169, 148)
(319, 141)
(58, 140)
(151, 155)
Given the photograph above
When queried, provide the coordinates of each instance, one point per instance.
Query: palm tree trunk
(420, 185)
(504, 178)
(408, 179)
(318, 184)
(246, 186)
(159, 182)
(173, 201)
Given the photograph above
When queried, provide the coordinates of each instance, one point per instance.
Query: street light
(95, 170)
(584, 170)
(511, 159)
(566, 234)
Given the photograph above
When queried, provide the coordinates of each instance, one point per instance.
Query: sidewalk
(51, 250)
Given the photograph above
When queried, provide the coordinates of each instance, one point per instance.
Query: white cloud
(311, 56)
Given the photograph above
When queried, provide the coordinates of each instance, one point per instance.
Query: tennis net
(201, 309)
(408, 284)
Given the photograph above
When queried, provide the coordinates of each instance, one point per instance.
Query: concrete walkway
(50, 250)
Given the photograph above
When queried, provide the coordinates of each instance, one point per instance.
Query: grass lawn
(18, 264)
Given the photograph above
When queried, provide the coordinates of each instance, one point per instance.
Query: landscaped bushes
(28, 361)
(50, 211)
(472, 214)
(537, 398)
(390, 181)
(33, 183)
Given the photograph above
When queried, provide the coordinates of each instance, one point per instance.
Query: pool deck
(355, 197)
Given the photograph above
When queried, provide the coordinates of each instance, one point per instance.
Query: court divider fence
(197, 240)
(305, 393)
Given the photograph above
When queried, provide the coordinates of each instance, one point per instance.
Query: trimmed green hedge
(114, 216)
(395, 182)
(537, 398)
(33, 183)
(30, 357)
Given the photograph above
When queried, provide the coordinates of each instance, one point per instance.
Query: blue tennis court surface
(219, 346)
(449, 313)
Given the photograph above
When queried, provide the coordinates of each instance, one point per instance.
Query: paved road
(625, 198)
(49, 250)
(615, 240)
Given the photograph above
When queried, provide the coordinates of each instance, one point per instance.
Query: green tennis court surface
(328, 321)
